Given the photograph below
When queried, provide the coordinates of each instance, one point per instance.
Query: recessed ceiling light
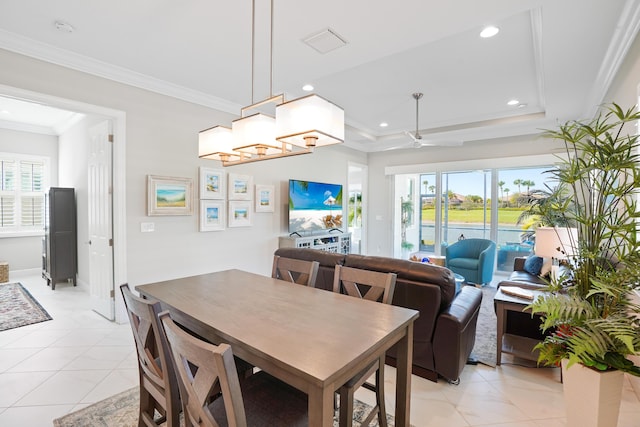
(307, 88)
(384, 124)
(513, 102)
(64, 26)
(489, 31)
(522, 105)
(4, 112)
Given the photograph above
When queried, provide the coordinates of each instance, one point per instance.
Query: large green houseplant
(589, 316)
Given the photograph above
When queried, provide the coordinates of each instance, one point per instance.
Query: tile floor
(55, 367)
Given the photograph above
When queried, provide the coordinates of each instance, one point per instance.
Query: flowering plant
(589, 311)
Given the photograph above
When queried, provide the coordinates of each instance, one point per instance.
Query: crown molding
(624, 35)
(45, 52)
(538, 58)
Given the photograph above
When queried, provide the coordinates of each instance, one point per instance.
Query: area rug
(121, 410)
(484, 350)
(19, 308)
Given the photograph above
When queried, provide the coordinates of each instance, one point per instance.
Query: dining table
(313, 339)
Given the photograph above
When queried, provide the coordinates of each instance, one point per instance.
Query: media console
(330, 242)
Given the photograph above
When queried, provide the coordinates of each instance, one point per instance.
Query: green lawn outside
(505, 216)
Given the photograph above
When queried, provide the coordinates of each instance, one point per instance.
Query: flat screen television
(314, 206)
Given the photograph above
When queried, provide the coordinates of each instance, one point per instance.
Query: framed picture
(265, 198)
(212, 215)
(169, 196)
(212, 184)
(240, 187)
(239, 213)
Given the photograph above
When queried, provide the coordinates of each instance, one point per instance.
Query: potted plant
(591, 320)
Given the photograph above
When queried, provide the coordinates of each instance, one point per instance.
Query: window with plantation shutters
(31, 194)
(22, 187)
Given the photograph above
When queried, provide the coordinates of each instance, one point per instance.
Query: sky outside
(472, 182)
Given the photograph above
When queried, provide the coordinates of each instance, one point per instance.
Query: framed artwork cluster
(240, 187)
(213, 188)
(236, 191)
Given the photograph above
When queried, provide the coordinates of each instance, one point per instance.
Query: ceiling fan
(418, 141)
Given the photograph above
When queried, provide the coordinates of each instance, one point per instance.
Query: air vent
(325, 41)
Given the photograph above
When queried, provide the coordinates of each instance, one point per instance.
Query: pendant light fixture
(298, 127)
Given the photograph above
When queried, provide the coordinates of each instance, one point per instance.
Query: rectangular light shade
(556, 242)
(255, 134)
(309, 116)
(214, 143)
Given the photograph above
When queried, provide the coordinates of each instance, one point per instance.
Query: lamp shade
(556, 242)
(215, 143)
(309, 121)
(255, 134)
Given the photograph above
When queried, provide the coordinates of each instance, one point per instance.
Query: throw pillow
(533, 265)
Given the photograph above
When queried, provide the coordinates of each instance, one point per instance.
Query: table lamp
(557, 243)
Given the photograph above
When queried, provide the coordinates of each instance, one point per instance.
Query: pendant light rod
(271, 53)
(417, 97)
(253, 48)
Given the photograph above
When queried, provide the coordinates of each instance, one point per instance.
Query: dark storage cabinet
(59, 252)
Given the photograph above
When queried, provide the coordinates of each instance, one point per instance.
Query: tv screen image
(314, 206)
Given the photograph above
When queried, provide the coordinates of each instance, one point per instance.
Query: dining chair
(372, 286)
(158, 384)
(212, 394)
(295, 270)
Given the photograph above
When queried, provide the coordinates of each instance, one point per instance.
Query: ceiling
(556, 57)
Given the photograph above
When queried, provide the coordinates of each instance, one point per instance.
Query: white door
(100, 221)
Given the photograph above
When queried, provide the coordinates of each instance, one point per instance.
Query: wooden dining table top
(311, 338)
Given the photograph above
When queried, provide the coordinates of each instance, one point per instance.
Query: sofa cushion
(533, 265)
(464, 263)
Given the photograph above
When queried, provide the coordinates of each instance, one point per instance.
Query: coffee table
(512, 343)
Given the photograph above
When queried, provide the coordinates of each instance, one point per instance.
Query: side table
(512, 343)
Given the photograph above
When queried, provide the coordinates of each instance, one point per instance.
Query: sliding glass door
(486, 204)
(465, 210)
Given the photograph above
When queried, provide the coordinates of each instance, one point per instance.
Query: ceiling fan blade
(405, 145)
(441, 143)
(412, 136)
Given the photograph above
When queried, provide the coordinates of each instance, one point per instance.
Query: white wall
(161, 139)
(26, 252)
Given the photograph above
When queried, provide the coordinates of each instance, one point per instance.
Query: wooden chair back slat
(295, 270)
(365, 284)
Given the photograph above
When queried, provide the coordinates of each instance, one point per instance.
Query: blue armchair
(472, 258)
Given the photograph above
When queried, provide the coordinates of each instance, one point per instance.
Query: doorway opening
(118, 195)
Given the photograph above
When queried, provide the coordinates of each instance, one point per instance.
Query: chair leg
(147, 405)
(346, 407)
(382, 411)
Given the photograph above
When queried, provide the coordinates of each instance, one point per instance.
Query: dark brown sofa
(444, 333)
(521, 278)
